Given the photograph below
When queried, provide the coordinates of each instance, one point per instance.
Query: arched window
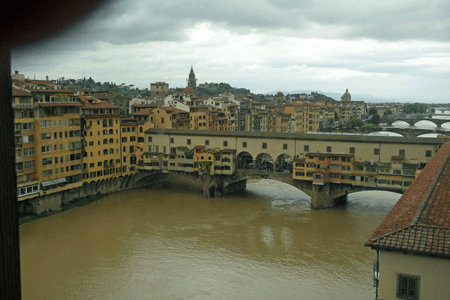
(111, 162)
(141, 129)
(105, 163)
(111, 140)
(105, 141)
(111, 123)
(111, 151)
(105, 131)
(105, 151)
(111, 131)
(105, 123)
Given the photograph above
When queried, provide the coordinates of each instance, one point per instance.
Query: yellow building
(48, 145)
(102, 151)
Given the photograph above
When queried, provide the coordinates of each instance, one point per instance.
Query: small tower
(346, 97)
(280, 98)
(191, 81)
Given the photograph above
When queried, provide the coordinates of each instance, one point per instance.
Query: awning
(54, 181)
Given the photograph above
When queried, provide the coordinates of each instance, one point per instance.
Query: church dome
(346, 96)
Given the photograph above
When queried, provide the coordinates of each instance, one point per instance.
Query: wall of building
(434, 274)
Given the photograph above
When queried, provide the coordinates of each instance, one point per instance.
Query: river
(264, 243)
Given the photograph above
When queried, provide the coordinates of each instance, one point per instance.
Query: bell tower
(191, 81)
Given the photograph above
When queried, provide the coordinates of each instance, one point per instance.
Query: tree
(375, 119)
(352, 122)
(373, 111)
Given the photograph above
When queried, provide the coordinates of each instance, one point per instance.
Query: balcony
(18, 145)
(17, 131)
(19, 159)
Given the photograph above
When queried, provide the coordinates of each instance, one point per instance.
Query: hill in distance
(336, 96)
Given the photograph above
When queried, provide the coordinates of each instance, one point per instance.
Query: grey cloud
(133, 21)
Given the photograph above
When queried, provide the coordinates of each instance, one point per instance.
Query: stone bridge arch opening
(425, 124)
(264, 162)
(245, 161)
(284, 163)
(374, 199)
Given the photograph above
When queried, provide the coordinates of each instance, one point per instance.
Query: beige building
(413, 241)
(158, 90)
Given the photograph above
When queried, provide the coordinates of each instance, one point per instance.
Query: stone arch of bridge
(245, 161)
(430, 122)
(264, 161)
(284, 163)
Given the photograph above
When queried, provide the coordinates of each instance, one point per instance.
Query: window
(46, 149)
(428, 153)
(46, 136)
(28, 151)
(328, 148)
(401, 152)
(46, 124)
(306, 148)
(28, 126)
(29, 164)
(244, 144)
(352, 150)
(225, 143)
(132, 138)
(28, 139)
(285, 146)
(46, 161)
(206, 142)
(397, 172)
(149, 139)
(188, 142)
(408, 286)
(264, 145)
(171, 140)
(376, 151)
(47, 173)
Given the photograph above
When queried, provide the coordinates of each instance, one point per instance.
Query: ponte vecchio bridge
(327, 167)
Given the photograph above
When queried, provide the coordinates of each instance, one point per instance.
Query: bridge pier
(328, 195)
(217, 186)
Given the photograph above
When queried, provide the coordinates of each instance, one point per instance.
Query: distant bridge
(413, 121)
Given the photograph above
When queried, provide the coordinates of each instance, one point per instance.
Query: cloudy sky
(397, 49)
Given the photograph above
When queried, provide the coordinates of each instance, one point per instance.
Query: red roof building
(413, 240)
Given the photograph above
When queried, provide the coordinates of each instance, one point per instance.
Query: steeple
(191, 81)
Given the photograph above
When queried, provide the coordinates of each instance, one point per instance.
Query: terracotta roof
(420, 221)
(20, 93)
(100, 105)
(143, 112)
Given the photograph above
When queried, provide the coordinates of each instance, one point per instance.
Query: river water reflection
(265, 243)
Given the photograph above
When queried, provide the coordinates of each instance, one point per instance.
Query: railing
(18, 131)
(24, 105)
(19, 158)
(18, 145)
